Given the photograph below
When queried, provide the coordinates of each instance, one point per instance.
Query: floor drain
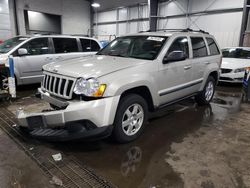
(72, 173)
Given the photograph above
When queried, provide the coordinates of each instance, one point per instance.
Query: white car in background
(235, 61)
(30, 53)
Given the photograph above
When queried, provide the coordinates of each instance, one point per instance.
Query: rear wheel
(131, 116)
(206, 96)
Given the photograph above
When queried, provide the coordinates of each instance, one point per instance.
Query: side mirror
(22, 51)
(174, 56)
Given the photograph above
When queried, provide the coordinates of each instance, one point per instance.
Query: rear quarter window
(214, 50)
(89, 45)
(199, 47)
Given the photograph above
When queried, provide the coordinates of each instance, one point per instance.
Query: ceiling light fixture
(95, 5)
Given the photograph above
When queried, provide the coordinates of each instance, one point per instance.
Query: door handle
(187, 67)
(59, 57)
(207, 63)
(48, 58)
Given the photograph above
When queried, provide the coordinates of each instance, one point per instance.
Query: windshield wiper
(112, 54)
(118, 55)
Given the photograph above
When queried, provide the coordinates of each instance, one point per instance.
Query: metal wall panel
(224, 22)
(226, 32)
(123, 14)
(179, 14)
(199, 5)
(107, 16)
(5, 26)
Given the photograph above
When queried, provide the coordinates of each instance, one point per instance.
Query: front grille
(226, 78)
(58, 85)
(224, 71)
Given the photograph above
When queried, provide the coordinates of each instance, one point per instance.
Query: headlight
(239, 70)
(90, 87)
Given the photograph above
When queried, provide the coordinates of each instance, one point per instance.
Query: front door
(30, 65)
(174, 77)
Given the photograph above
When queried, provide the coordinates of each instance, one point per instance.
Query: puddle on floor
(142, 163)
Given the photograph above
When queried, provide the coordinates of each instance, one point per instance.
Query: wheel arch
(215, 75)
(142, 91)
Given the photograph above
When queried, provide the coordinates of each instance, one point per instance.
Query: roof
(69, 36)
(240, 47)
(163, 34)
(168, 33)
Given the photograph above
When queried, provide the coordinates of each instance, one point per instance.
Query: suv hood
(92, 66)
(235, 63)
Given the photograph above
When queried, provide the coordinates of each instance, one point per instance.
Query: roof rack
(180, 30)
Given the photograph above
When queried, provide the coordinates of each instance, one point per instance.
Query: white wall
(224, 26)
(121, 14)
(75, 14)
(5, 26)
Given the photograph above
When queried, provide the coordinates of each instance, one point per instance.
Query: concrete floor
(183, 146)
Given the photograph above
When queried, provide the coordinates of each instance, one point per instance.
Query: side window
(94, 46)
(199, 47)
(214, 50)
(86, 46)
(180, 44)
(37, 46)
(89, 45)
(65, 45)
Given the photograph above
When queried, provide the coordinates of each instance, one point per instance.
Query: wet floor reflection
(142, 163)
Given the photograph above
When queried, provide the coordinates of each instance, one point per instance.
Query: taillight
(220, 61)
(2, 66)
(247, 72)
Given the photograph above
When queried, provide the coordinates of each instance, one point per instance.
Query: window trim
(208, 37)
(208, 52)
(177, 37)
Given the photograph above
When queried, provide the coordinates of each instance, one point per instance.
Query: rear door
(214, 52)
(200, 60)
(30, 65)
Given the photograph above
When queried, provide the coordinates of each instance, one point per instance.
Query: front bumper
(232, 77)
(74, 119)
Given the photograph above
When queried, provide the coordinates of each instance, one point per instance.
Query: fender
(120, 85)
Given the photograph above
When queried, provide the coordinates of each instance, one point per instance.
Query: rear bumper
(74, 120)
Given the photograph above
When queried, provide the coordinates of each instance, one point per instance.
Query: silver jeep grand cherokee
(111, 93)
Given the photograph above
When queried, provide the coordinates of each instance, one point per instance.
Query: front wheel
(131, 116)
(206, 96)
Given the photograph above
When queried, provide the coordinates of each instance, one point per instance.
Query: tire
(128, 107)
(206, 96)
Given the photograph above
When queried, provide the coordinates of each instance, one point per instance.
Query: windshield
(140, 47)
(236, 53)
(9, 44)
